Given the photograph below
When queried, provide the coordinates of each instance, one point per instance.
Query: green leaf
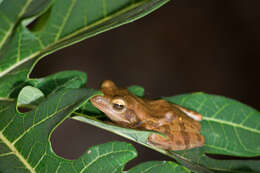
(29, 95)
(136, 90)
(61, 24)
(230, 128)
(157, 166)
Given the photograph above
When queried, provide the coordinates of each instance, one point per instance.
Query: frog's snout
(99, 101)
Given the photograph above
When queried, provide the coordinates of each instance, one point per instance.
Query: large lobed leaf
(25, 145)
(25, 140)
(59, 23)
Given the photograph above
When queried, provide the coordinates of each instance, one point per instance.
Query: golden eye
(118, 104)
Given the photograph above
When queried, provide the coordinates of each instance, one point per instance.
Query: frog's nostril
(96, 99)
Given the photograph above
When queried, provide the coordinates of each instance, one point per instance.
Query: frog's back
(183, 132)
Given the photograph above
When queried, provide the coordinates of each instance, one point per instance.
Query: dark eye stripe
(118, 106)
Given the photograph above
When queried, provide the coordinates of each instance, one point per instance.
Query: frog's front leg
(192, 114)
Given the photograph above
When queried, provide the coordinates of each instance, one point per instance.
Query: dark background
(185, 46)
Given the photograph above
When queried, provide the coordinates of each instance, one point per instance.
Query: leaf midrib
(16, 152)
(231, 124)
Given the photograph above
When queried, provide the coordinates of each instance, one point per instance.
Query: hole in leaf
(39, 23)
(72, 138)
(23, 109)
(226, 157)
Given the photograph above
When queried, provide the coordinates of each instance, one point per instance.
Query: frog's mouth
(104, 105)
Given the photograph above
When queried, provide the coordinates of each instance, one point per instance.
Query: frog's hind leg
(177, 141)
(192, 114)
(164, 142)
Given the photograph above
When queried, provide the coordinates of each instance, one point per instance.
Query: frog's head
(118, 104)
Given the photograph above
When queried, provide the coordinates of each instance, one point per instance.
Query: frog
(178, 127)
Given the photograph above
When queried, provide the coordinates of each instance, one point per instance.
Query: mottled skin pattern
(180, 125)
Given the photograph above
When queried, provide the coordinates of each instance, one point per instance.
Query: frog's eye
(118, 104)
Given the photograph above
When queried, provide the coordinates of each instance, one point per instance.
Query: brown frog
(180, 125)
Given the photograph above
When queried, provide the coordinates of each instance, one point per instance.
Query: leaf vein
(65, 20)
(220, 110)
(100, 156)
(240, 141)
(202, 104)
(6, 154)
(13, 24)
(231, 124)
